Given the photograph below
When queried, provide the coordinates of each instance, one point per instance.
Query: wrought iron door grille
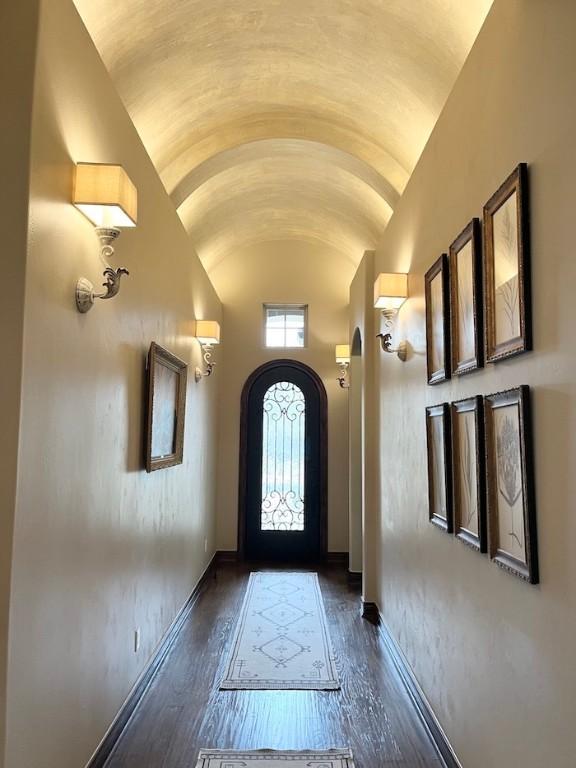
(283, 437)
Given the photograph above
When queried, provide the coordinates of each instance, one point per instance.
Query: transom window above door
(285, 325)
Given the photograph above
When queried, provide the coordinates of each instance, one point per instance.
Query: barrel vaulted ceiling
(284, 119)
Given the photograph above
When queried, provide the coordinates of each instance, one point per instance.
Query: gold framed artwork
(466, 300)
(512, 540)
(439, 466)
(508, 315)
(437, 293)
(468, 472)
(166, 405)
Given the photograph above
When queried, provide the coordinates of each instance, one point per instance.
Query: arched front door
(283, 464)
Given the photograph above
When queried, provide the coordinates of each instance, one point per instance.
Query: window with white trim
(285, 325)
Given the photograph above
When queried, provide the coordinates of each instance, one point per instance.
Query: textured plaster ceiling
(272, 119)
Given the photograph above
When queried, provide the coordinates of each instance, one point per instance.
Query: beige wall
(283, 272)
(494, 655)
(18, 29)
(101, 548)
(361, 428)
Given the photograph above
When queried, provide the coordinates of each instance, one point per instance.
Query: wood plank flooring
(183, 710)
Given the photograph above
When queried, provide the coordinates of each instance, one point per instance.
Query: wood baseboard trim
(445, 751)
(227, 556)
(233, 556)
(337, 558)
(370, 612)
(106, 746)
(355, 579)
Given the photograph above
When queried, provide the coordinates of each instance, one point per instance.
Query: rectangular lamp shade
(208, 331)
(342, 353)
(390, 290)
(105, 195)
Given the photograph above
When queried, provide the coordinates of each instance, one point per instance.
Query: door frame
(318, 384)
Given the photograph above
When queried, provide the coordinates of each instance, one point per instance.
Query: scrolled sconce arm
(401, 350)
(85, 295)
(343, 378)
(112, 283)
(386, 342)
(207, 356)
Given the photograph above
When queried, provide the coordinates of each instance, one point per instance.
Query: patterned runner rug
(329, 758)
(281, 639)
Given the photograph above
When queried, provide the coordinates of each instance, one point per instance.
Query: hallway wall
(361, 317)
(283, 272)
(494, 655)
(17, 60)
(100, 547)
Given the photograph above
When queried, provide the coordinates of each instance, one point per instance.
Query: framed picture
(439, 466)
(166, 397)
(512, 539)
(468, 472)
(437, 291)
(466, 300)
(507, 269)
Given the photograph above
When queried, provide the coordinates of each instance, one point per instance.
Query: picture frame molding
(470, 233)
(432, 411)
(440, 266)
(520, 396)
(470, 404)
(157, 355)
(517, 182)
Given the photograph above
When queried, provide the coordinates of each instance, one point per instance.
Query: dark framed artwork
(466, 300)
(439, 466)
(437, 292)
(166, 405)
(512, 541)
(468, 472)
(507, 269)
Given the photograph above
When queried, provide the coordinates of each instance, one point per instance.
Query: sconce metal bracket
(401, 350)
(85, 295)
(199, 374)
(343, 378)
(386, 341)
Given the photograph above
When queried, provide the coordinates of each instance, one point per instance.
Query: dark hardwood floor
(183, 709)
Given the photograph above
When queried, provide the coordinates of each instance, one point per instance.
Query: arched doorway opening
(282, 512)
(356, 454)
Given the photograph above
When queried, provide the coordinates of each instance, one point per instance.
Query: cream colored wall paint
(355, 463)
(494, 655)
(18, 29)
(361, 317)
(101, 548)
(282, 272)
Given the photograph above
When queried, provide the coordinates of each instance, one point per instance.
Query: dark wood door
(284, 464)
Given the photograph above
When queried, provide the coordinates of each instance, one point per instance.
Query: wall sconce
(390, 292)
(208, 334)
(343, 360)
(107, 197)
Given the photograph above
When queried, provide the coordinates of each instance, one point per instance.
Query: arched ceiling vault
(284, 118)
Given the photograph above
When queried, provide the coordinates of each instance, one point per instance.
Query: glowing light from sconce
(343, 361)
(342, 353)
(108, 198)
(105, 195)
(208, 334)
(390, 292)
